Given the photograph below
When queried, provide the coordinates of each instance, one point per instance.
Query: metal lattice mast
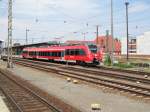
(9, 61)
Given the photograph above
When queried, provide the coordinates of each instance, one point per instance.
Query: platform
(3, 106)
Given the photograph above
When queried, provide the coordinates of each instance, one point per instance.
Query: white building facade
(137, 46)
(123, 46)
(143, 44)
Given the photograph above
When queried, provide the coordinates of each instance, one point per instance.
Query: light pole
(112, 32)
(97, 33)
(127, 26)
(107, 36)
(27, 30)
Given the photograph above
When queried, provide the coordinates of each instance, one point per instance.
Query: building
(139, 45)
(132, 45)
(107, 42)
(103, 42)
(143, 44)
(17, 50)
(1, 46)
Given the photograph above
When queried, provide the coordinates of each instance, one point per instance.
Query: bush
(124, 65)
(107, 60)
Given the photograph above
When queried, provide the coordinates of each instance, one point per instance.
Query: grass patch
(123, 65)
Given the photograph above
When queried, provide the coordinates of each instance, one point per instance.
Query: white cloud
(138, 7)
(25, 12)
(74, 8)
(3, 28)
(52, 14)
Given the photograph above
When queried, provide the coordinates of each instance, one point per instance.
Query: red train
(81, 54)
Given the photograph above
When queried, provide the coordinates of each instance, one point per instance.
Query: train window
(24, 52)
(62, 54)
(37, 53)
(93, 48)
(59, 54)
(67, 52)
(53, 54)
(30, 53)
(81, 52)
(72, 52)
(34, 53)
(46, 53)
(56, 54)
(76, 51)
(50, 54)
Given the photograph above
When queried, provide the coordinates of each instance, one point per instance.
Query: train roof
(54, 48)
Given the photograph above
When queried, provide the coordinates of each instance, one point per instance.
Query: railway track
(101, 72)
(46, 62)
(24, 99)
(133, 83)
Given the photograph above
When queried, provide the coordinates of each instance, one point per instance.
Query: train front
(96, 53)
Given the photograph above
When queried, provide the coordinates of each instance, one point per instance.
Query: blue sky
(68, 19)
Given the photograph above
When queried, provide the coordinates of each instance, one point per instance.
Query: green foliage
(124, 65)
(107, 60)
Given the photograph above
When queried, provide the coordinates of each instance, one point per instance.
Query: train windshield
(93, 48)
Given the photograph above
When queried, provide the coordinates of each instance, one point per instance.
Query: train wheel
(83, 63)
(78, 62)
(51, 60)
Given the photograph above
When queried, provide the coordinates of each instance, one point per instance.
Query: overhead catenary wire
(71, 21)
